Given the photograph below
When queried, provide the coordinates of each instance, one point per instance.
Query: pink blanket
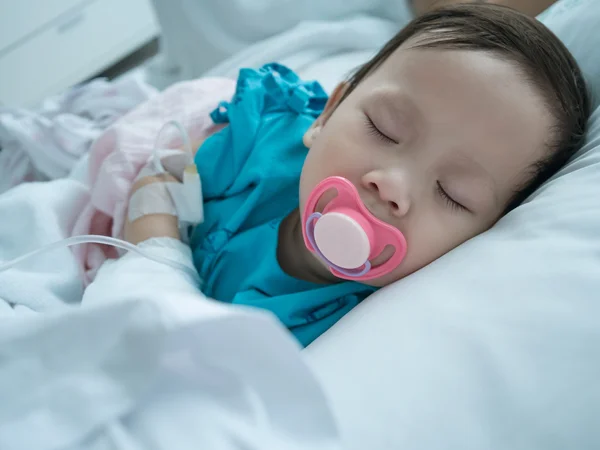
(118, 155)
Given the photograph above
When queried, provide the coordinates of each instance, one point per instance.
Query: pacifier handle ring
(309, 229)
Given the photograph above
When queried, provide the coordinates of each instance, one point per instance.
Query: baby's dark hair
(543, 59)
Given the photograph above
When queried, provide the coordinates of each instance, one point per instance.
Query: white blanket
(35, 214)
(144, 360)
(45, 144)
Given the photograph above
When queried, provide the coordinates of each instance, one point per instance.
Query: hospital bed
(494, 346)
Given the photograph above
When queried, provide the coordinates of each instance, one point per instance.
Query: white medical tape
(153, 198)
(183, 200)
(147, 171)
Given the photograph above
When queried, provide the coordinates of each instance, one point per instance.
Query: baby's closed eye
(376, 132)
(449, 199)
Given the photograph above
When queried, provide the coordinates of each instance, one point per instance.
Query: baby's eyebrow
(400, 106)
(479, 173)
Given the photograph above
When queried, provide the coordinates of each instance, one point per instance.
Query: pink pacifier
(347, 236)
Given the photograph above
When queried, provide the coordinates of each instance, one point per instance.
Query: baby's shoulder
(273, 88)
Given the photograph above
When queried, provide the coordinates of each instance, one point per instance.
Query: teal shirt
(250, 173)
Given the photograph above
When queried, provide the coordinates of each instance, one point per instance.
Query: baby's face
(436, 142)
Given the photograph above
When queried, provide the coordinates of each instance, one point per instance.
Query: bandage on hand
(165, 203)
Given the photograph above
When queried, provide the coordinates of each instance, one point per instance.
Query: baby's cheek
(426, 241)
(337, 151)
(347, 156)
(329, 149)
(436, 236)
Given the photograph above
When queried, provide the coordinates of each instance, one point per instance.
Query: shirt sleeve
(272, 88)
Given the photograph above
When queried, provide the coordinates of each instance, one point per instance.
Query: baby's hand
(157, 225)
(151, 225)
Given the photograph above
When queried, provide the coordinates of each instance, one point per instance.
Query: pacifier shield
(342, 240)
(346, 235)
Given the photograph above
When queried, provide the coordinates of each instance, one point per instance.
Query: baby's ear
(311, 133)
(332, 103)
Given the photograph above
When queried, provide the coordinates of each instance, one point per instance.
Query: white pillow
(497, 344)
(577, 24)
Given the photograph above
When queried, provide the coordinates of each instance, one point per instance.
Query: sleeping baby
(311, 202)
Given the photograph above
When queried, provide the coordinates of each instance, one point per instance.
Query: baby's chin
(382, 281)
(378, 282)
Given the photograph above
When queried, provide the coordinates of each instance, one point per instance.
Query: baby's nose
(392, 191)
